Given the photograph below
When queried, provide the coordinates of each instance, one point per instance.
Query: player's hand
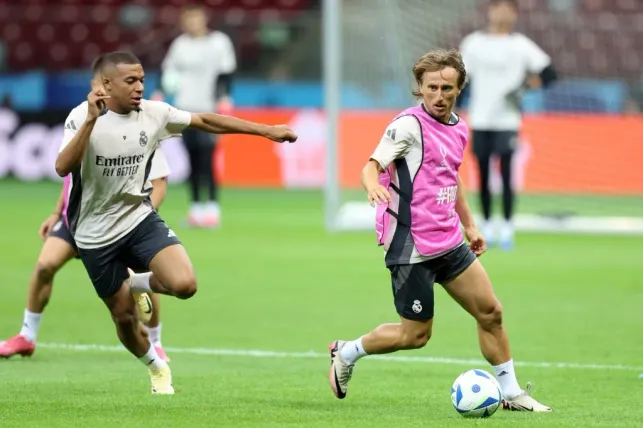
(477, 243)
(281, 134)
(47, 225)
(378, 195)
(96, 100)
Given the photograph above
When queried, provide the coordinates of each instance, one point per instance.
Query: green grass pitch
(272, 280)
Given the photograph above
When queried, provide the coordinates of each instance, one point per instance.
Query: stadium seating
(40, 35)
(587, 39)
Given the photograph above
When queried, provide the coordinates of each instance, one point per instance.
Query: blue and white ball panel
(476, 393)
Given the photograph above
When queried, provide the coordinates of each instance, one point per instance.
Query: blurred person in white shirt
(198, 70)
(501, 64)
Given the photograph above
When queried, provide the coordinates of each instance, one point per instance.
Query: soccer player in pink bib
(413, 178)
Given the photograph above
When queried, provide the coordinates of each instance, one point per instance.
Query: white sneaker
(489, 233)
(195, 216)
(525, 403)
(340, 372)
(507, 236)
(211, 216)
(144, 307)
(161, 381)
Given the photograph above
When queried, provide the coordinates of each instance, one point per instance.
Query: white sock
(30, 324)
(141, 283)
(352, 351)
(507, 379)
(152, 360)
(155, 335)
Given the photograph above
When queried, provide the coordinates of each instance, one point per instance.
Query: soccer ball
(476, 394)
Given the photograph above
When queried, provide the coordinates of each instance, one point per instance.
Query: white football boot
(340, 371)
(524, 402)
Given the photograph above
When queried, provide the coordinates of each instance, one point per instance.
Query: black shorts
(413, 284)
(107, 266)
(488, 143)
(197, 140)
(61, 231)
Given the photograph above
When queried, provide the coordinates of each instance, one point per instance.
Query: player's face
(503, 14)
(124, 83)
(194, 23)
(439, 92)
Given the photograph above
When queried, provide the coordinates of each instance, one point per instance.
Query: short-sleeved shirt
(110, 189)
(160, 169)
(403, 139)
(498, 65)
(194, 63)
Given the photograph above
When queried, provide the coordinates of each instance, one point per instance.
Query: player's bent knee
(421, 341)
(122, 308)
(185, 286)
(414, 340)
(491, 317)
(45, 270)
(125, 319)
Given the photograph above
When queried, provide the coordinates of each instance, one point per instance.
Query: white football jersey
(110, 189)
(498, 65)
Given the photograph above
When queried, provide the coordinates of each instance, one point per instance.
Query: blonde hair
(437, 60)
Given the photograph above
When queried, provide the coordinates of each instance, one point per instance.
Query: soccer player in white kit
(109, 155)
(59, 248)
(500, 64)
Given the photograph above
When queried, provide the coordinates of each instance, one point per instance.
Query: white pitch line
(255, 353)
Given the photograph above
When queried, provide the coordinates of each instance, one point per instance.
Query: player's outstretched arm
(220, 124)
(73, 152)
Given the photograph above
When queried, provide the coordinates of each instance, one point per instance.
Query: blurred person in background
(501, 64)
(198, 70)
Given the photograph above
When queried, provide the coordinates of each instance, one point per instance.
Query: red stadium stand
(597, 39)
(67, 34)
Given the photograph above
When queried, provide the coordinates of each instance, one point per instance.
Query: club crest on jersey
(143, 140)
